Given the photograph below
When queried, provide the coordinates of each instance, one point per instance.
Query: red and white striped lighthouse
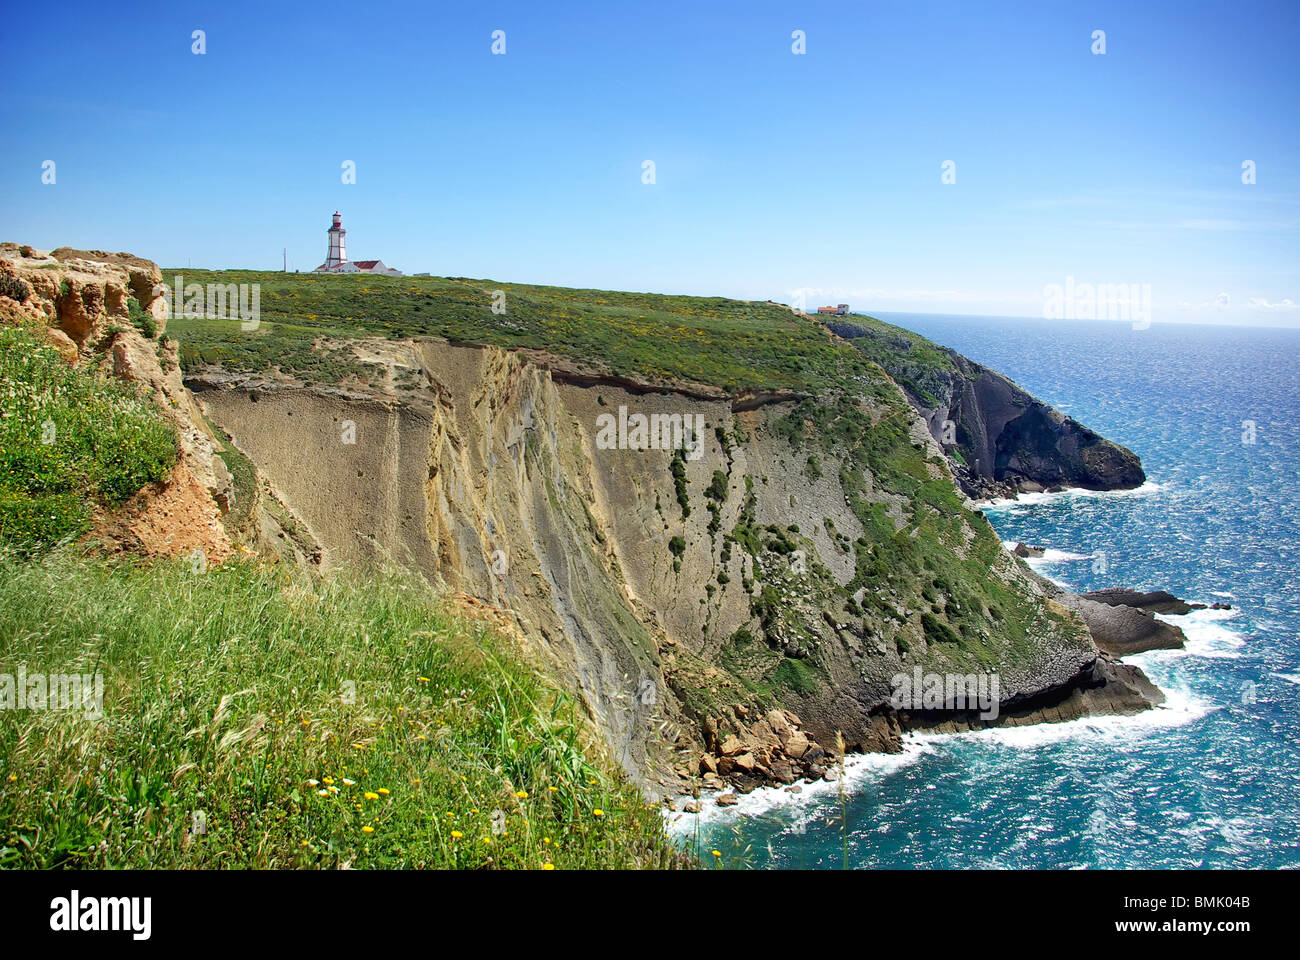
(338, 253)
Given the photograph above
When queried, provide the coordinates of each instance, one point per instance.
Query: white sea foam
(1031, 499)
(1289, 677)
(859, 769)
(1206, 634)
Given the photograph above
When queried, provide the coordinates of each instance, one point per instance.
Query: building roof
(365, 264)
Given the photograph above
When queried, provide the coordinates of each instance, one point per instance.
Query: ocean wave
(1206, 635)
(1032, 499)
(1050, 555)
(1180, 707)
(859, 768)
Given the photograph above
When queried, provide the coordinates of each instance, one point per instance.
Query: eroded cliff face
(91, 305)
(727, 610)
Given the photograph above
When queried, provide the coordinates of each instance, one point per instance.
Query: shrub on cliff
(69, 440)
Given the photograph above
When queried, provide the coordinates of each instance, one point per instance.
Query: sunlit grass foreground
(254, 718)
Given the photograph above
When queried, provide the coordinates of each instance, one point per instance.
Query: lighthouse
(336, 261)
(338, 254)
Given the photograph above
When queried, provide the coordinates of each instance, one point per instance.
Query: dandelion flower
(598, 812)
(367, 829)
(383, 791)
(522, 794)
(548, 866)
(456, 834)
(328, 781)
(371, 796)
(717, 853)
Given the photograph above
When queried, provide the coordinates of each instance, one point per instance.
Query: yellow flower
(717, 853)
(367, 829)
(322, 793)
(383, 791)
(328, 781)
(424, 679)
(548, 866)
(553, 789)
(349, 783)
(456, 834)
(598, 812)
(522, 794)
(13, 778)
(371, 796)
(546, 840)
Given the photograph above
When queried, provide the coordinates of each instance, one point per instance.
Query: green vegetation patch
(251, 719)
(69, 440)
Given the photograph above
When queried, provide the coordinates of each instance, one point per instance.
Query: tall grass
(254, 719)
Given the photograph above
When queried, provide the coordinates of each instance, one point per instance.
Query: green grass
(227, 694)
(734, 344)
(69, 440)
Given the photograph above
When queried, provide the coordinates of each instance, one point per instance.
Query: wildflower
(328, 781)
(313, 783)
(367, 829)
(349, 783)
(522, 794)
(553, 789)
(548, 866)
(546, 840)
(456, 834)
(383, 791)
(371, 796)
(424, 679)
(598, 812)
(322, 793)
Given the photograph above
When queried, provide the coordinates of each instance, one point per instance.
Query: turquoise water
(1212, 779)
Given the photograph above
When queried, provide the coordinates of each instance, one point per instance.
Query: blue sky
(774, 172)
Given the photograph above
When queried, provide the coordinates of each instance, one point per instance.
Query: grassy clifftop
(733, 344)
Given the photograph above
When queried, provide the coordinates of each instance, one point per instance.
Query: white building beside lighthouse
(336, 260)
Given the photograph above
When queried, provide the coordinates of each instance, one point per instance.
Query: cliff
(725, 530)
(999, 439)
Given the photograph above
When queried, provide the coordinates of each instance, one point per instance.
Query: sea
(1212, 778)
